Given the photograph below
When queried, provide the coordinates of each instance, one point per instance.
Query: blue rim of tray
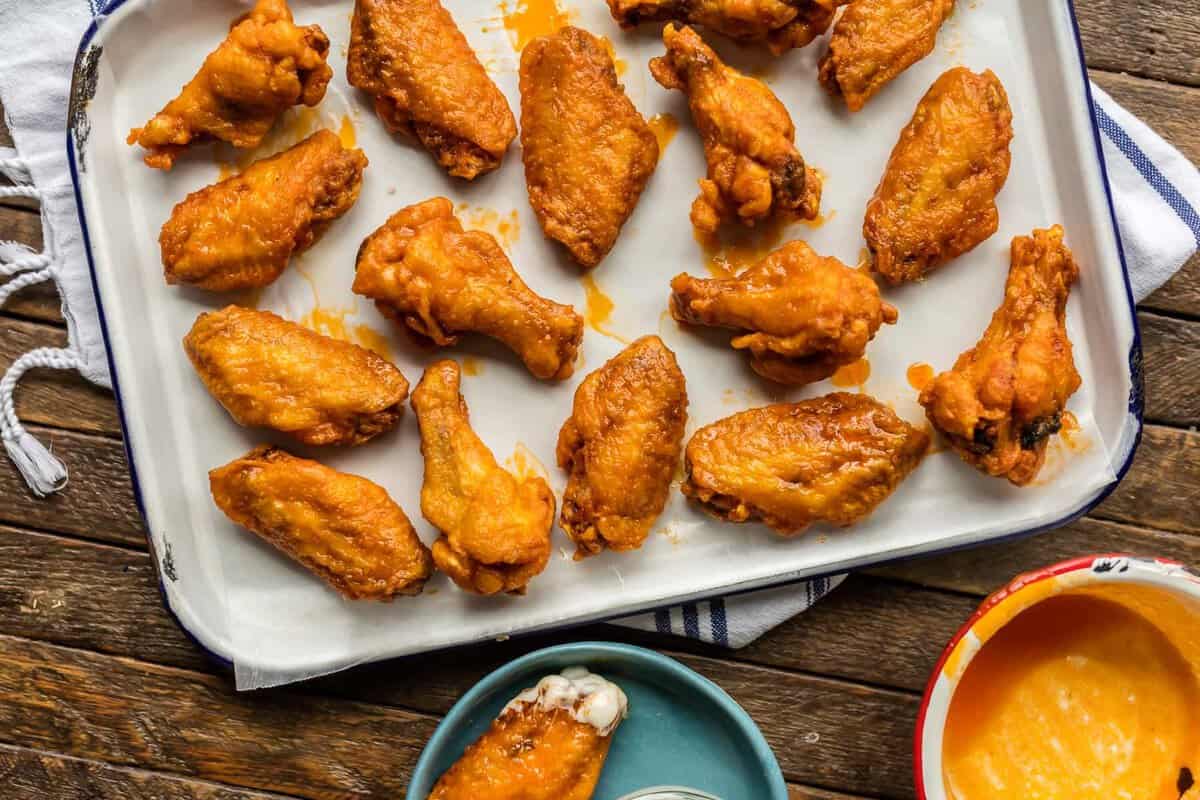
(1136, 405)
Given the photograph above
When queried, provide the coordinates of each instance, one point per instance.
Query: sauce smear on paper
(346, 132)
(919, 375)
(664, 127)
(599, 308)
(525, 20)
(852, 375)
(732, 249)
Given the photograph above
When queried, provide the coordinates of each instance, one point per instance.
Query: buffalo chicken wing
(780, 24)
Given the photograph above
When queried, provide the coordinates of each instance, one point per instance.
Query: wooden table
(102, 696)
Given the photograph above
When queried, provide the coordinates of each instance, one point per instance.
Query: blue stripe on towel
(662, 620)
(691, 621)
(716, 613)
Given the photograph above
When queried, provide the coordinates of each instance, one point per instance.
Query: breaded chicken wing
(265, 66)
(780, 24)
(495, 526)
(1005, 397)
(803, 315)
(830, 459)
(428, 84)
(754, 169)
(342, 528)
(268, 371)
(549, 743)
(620, 447)
(437, 281)
(588, 153)
(242, 232)
(876, 40)
(937, 198)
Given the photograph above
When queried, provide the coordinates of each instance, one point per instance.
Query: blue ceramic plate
(682, 728)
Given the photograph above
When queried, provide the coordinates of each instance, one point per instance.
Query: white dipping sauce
(589, 698)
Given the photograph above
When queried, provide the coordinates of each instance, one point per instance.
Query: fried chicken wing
(780, 24)
(754, 169)
(437, 281)
(620, 447)
(342, 528)
(265, 66)
(549, 743)
(937, 198)
(428, 84)
(803, 315)
(1005, 397)
(242, 232)
(830, 459)
(876, 40)
(588, 153)
(495, 526)
(271, 372)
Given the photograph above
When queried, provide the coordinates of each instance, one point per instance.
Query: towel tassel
(44, 472)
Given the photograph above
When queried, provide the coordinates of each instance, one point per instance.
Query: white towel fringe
(16, 257)
(41, 469)
(12, 167)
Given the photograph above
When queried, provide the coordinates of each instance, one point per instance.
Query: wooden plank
(35, 302)
(1171, 360)
(1162, 487)
(1181, 294)
(1154, 40)
(1165, 107)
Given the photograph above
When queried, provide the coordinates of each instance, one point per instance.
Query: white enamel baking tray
(248, 605)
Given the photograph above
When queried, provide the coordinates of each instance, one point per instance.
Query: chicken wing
(620, 447)
(265, 66)
(831, 459)
(804, 315)
(754, 169)
(937, 198)
(780, 24)
(437, 281)
(268, 371)
(588, 153)
(1005, 396)
(549, 743)
(242, 232)
(428, 84)
(342, 528)
(495, 526)
(876, 40)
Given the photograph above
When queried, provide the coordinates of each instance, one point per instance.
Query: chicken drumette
(495, 526)
(780, 24)
(438, 281)
(754, 169)
(1005, 396)
(242, 232)
(804, 315)
(265, 66)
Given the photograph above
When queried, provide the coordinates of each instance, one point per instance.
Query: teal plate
(682, 728)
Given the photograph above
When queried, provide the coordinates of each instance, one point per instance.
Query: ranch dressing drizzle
(589, 698)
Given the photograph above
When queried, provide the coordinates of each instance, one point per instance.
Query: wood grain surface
(102, 696)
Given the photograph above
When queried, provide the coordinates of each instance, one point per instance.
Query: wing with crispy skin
(495, 527)
(780, 24)
(428, 83)
(754, 169)
(830, 459)
(937, 198)
(242, 232)
(588, 153)
(271, 372)
(876, 40)
(265, 66)
(802, 315)
(437, 281)
(620, 447)
(1005, 396)
(342, 528)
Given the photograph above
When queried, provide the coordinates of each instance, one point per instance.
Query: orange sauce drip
(819, 220)
(525, 20)
(332, 322)
(853, 374)
(919, 376)
(599, 308)
(471, 366)
(664, 126)
(296, 125)
(506, 228)
(618, 63)
(346, 132)
(524, 464)
(733, 249)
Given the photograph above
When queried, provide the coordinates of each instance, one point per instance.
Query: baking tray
(247, 605)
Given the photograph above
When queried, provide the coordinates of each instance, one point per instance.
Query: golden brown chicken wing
(549, 743)
(1005, 397)
(830, 459)
(428, 84)
(780, 24)
(620, 447)
(876, 40)
(268, 371)
(438, 281)
(495, 526)
(754, 169)
(342, 528)
(242, 232)
(804, 315)
(588, 153)
(937, 198)
(265, 66)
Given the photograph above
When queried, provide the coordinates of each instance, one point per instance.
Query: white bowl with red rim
(1001, 607)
